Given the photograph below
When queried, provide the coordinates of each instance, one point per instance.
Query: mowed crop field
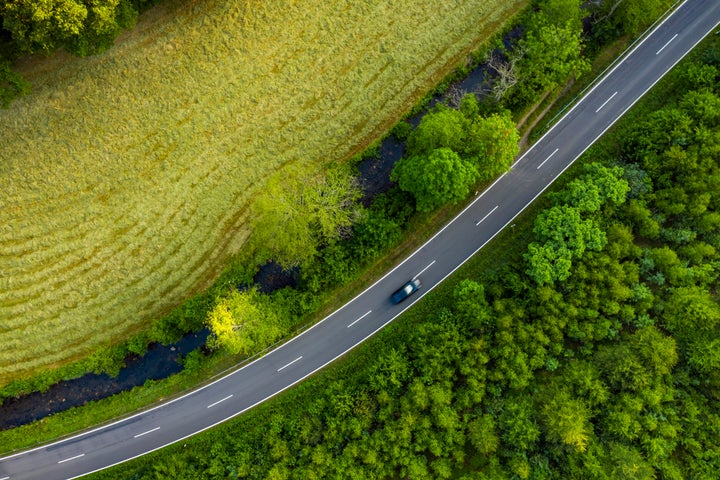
(125, 178)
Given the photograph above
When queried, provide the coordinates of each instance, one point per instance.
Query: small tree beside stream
(452, 149)
(243, 323)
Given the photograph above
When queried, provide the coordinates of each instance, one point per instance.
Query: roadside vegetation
(133, 179)
(604, 369)
(451, 150)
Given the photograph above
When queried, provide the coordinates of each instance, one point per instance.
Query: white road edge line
(605, 102)
(668, 43)
(488, 214)
(220, 401)
(72, 458)
(145, 433)
(353, 323)
(423, 270)
(548, 158)
(4, 478)
(285, 366)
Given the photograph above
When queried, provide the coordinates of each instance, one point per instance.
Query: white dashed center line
(145, 433)
(72, 458)
(668, 43)
(488, 214)
(353, 323)
(285, 366)
(220, 401)
(605, 102)
(423, 270)
(548, 158)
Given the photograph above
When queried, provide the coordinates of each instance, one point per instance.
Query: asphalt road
(371, 310)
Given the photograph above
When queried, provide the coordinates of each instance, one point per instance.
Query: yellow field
(125, 177)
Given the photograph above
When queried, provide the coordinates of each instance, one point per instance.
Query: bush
(401, 130)
(12, 85)
(436, 179)
(374, 234)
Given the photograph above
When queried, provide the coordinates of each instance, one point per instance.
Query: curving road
(370, 311)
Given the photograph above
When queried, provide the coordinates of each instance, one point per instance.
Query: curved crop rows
(125, 177)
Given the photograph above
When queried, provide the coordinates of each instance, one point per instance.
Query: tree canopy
(455, 145)
(300, 210)
(436, 179)
(548, 54)
(83, 26)
(242, 322)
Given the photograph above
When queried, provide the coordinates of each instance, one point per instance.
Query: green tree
(551, 47)
(630, 16)
(699, 76)
(621, 368)
(566, 420)
(491, 144)
(471, 305)
(483, 434)
(703, 106)
(561, 12)
(703, 354)
(583, 378)
(436, 179)
(564, 236)
(597, 186)
(519, 430)
(300, 210)
(629, 464)
(652, 135)
(42, 26)
(389, 372)
(373, 233)
(488, 144)
(641, 218)
(690, 310)
(657, 351)
(547, 264)
(243, 323)
(442, 128)
(84, 26)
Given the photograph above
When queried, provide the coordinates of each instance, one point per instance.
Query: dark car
(408, 289)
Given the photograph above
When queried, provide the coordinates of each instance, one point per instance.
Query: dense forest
(592, 353)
